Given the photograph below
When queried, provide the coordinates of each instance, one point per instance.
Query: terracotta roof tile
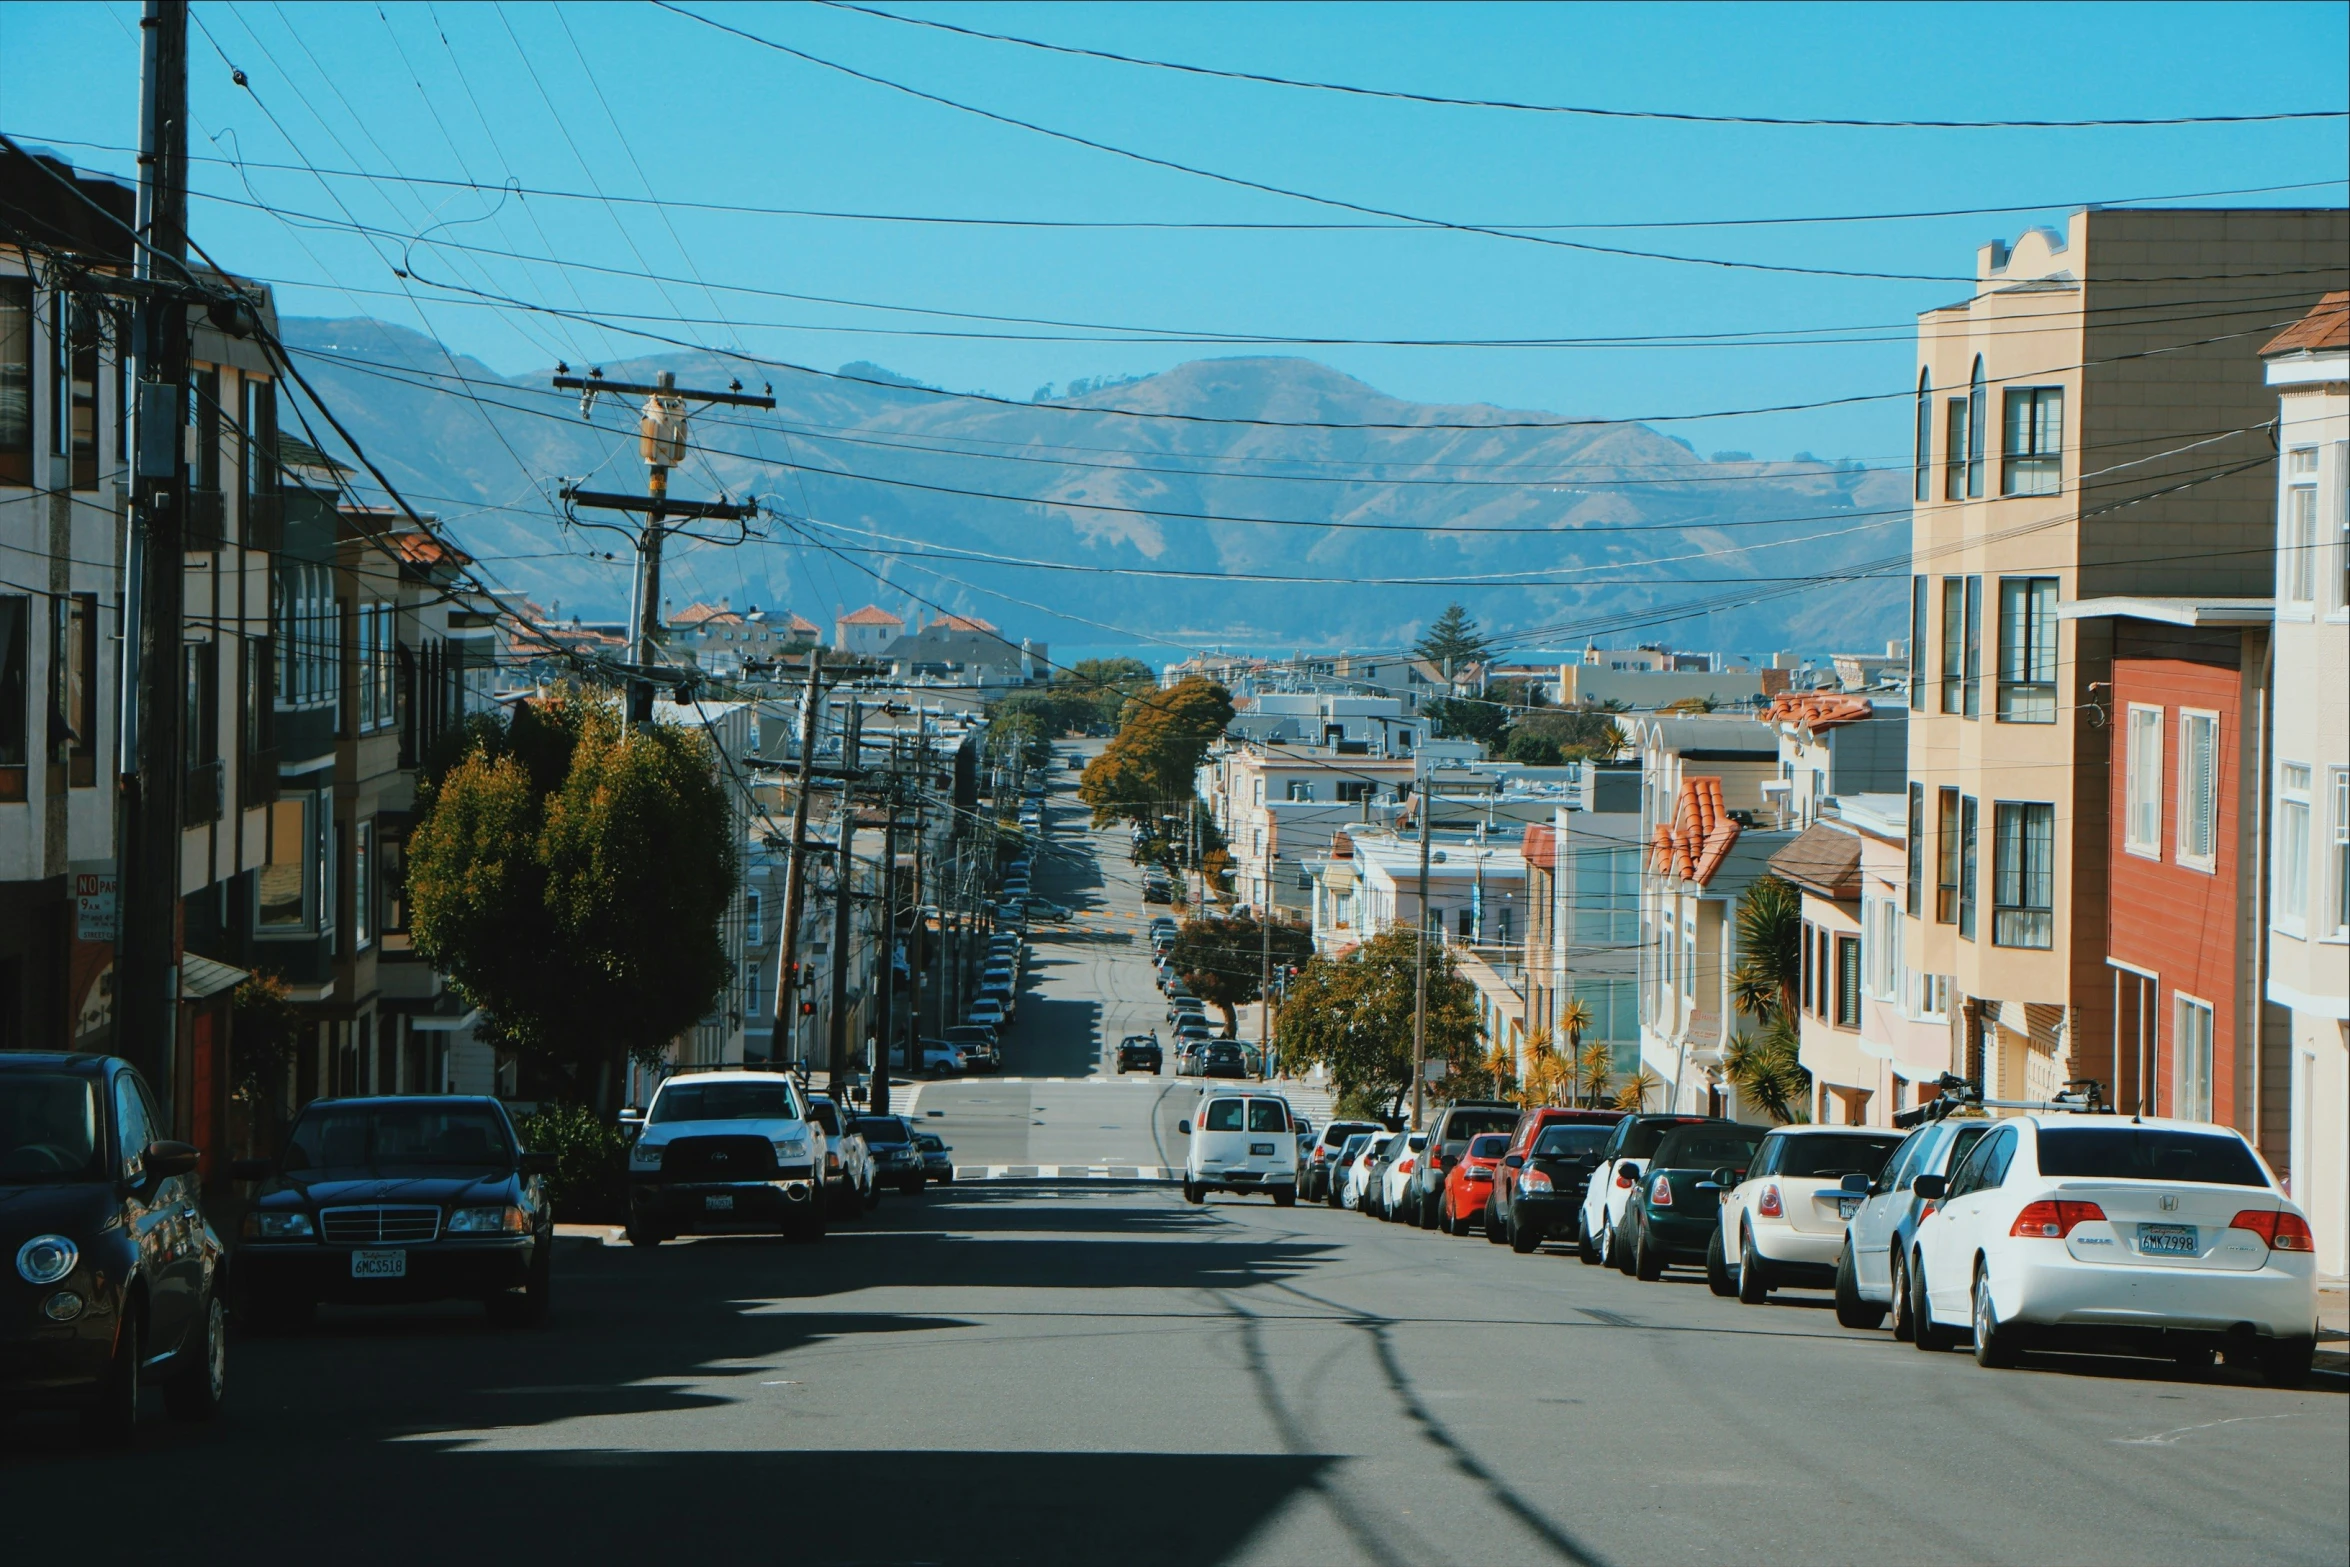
(2326, 326)
(1819, 709)
(1699, 837)
(871, 615)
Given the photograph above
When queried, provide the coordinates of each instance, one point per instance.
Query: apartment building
(1904, 1012)
(1824, 862)
(1833, 744)
(2308, 903)
(2091, 422)
(1583, 872)
(1280, 806)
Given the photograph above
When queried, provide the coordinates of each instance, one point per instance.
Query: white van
(1244, 1142)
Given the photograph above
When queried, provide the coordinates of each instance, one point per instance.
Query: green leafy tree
(1468, 718)
(1454, 642)
(1535, 750)
(1096, 690)
(1578, 733)
(1148, 766)
(1354, 1015)
(1222, 961)
(568, 873)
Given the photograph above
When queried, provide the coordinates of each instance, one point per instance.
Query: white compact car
(1784, 1224)
(1357, 1184)
(1244, 1142)
(1398, 1176)
(2157, 1237)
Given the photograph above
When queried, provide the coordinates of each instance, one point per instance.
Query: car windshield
(1707, 1148)
(825, 1114)
(1464, 1124)
(1829, 1155)
(1570, 1142)
(1490, 1145)
(1347, 1131)
(50, 1128)
(725, 1102)
(469, 1138)
(882, 1128)
(1641, 1141)
(1354, 1145)
(2149, 1153)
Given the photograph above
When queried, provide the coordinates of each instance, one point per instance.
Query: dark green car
(1676, 1208)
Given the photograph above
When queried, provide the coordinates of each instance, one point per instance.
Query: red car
(1468, 1185)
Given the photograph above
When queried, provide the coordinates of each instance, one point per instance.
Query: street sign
(93, 897)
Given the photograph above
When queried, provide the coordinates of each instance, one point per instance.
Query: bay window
(2024, 875)
(2293, 846)
(2031, 453)
(2027, 650)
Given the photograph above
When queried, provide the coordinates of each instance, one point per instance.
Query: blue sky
(466, 90)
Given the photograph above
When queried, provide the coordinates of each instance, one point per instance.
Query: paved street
(1097, 1373)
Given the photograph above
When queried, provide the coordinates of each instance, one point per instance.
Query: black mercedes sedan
(395, 1200)
(113, 1276)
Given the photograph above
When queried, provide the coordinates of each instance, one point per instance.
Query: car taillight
(2051, 1220)
(1660, 1192)
(1770, 1207)
(1926, 1210)
(2282, 1230)
(1478, 1172)
(1533, 1180)
(1404, 1166)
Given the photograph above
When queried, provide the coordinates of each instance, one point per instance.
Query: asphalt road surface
(1089, 1373)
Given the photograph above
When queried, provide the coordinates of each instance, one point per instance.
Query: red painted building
(2188, 718)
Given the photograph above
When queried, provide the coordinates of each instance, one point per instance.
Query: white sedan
(1398, 1175)
(2154, 1237)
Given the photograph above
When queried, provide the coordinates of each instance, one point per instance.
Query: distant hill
(1084, 482)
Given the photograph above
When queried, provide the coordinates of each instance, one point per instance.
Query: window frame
(2027, 650)
(2042, 426)
(302, 805)
(1920, 626)
(2143, 733)
(1978, 400)
(2297, 543)
(2203, 809)
(1924, 460)
(19, 432)
(1846, 981)
(1947, 850)
(2194, 1053)
(1971, 689)
(1970, 815)
(2016, 922)
(2294, 841)
(1913, 895)
(2338, 852)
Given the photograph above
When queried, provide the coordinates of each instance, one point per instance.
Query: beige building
(2309, 805)
(2091, 421)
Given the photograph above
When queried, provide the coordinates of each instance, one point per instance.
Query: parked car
(1610, 1184)
(1783, 1224)
(1244, 1142)
(943, 1058)
(896, 1161)
(118, 1278)
(1046, 909)
(1673, 1215)
(848, 1165)
(977, 1041)
(937, 1161)
(988, 1012)
(396, 1200)
(1538, 1194)
(1871, 1272)
(1157, 892)
(1396, 1177)
(1341, 1187)
(1322, 1160)
(1188, 1055)
(1193, 1028)
(723, 1150)
(1448, 1141)
(1463, 1204)
(1362, 1178)
(1140, 1053)
(1223, 1058)
(2147, 1236)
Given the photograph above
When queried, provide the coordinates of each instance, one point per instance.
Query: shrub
(591, 1162)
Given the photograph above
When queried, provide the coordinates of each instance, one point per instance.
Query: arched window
(1925, 453)
(1978, 403)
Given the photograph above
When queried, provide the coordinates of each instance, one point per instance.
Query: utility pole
(795, 875)
(837, 1042)
(885, 1038)
(661, 440)
(1420, 958)
(1265, 962)
(146, 967)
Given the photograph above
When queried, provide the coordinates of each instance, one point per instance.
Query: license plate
(717, 1204)
(1846, 1207)
(379, 1264)
(2168, 1240)
(1260, 1150)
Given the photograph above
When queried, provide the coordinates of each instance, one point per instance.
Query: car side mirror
(165, 1159)
(251, 1169)
(537, 1162)
(1724, 1178)
(1184, 1127)
(1929, 1187)
(1516, 1161)
(1857, 1184)
(1629, 1169)
(1447, 1161)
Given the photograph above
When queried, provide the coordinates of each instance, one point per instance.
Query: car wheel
(112, 1418)
(1193, 1195)
(1496, 1231)
(527, 1307)
(1925, 1332)
(1422, 1211)
(1717, 1267)
(1904, 1324)
(2285, 1362)
(1851, 1310)
(1995, 1346)
(640, 1234)
(200, 1379)
(1603, 1247)
(1337, 1197)
(1284, 1196)
(1586, 1249)
(1754, 1278)
(1648, 1262)
(1619, 1246)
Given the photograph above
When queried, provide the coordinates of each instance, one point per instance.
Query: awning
(203, 978)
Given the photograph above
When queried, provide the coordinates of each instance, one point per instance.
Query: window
(1925, 447)
(2142, 782)
(204, 415)
(1300, 789)
(73, 388)
(134, 1124)
(750, 990)
(73, 687)
(751, 925)
(258, 472)
(1807, 994)
(1946, 856)
(2293, 845)
(16, 380)
(1953, 643)
(1920, 607)
(1606, 905)
(2024, 875)
(2027, 650)
(1978, 406)
(2198, 789)
(1914, 891)
(1848, 982)
(1954, 449)
(2297, 556)
(2031, 455)
(392, 878)
(1970, 691)
(200, 733)
(2339, 858)
(1268, 1115)
(282, 885)
(2191, 1049)
(16, 612)
(1967, 823)
(362, 886)
(1880, 949)
(1354, 792)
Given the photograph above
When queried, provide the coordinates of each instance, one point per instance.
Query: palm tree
(1768, 1070)
(1594, 1064)
(1634, 1094)
(1575, 1017)
(1770, 941)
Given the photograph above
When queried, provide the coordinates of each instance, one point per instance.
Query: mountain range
(1260, 502)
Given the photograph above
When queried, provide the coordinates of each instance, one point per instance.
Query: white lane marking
(2170, 1438)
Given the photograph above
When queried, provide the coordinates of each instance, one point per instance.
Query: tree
(1768, 1069)
(1148, 766)
(1770, 936)
(1354, 1015)
(1588, 733)
(1594, 1063)
(1535, 750)
(1021, 735)
(1096, 690)
(1467, 718)
(1223, 960)
(1454, 642)
(568, 873)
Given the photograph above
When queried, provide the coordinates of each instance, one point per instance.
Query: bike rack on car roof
(2080, 1096)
